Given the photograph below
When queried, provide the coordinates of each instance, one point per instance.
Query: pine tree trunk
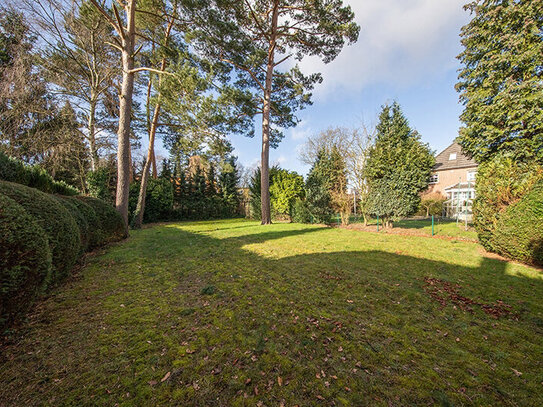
(92, 134)
(140, 208)
(265, 157)
(155, 172)
(125, 109)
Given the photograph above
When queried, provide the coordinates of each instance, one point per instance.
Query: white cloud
(400, 42)
(301, 131)
(282, 159)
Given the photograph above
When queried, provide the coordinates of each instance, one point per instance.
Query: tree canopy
(398, 167)
(501, 82)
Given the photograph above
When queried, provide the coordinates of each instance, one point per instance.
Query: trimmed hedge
(95, 236)
(14, 170)
(57, 222)
(25, 260)
(500, 183)
(110, 224)
(80, 220)
(519, 230)
(41, 238)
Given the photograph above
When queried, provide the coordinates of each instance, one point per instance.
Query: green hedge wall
(110, 224)
(25, 259)
(41, 238)
(14, 170)
(95, 236)
(500, 183)
(57, 222)
(519, 230)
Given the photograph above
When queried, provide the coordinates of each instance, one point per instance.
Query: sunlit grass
(232, 313)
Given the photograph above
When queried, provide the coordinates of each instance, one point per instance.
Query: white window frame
(471, 175)
(436, 175)
(452, 156)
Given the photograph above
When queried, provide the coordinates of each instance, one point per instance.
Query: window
(471, 175)
(452, 156)
(434, 179)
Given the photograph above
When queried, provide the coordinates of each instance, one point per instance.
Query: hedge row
(14, 170)
(41, 238)
(519, 231)
(505, 208)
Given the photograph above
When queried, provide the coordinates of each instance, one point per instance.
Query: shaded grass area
(229, 313)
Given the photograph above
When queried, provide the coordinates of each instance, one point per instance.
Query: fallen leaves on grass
(166, 377)
(444, 292)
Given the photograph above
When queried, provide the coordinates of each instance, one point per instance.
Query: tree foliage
(317, 185)
(286, 186)
(501, 182)
(255, 37)
(398, 167)
(501, 83)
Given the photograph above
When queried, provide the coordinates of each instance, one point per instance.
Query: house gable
(452, 158)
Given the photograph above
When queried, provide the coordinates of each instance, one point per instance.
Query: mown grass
(443, 227)
(230, 313)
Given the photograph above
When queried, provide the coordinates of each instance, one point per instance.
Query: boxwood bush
(80, 220)
(57, 222)
(14, 170)
(95, 236)
(110, 223)
(519, 230)
(25, 260)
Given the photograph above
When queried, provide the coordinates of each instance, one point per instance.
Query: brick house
(453, 176)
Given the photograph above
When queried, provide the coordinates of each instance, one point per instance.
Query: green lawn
(230, 313)
(442, 227)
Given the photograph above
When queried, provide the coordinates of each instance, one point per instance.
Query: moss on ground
(232, 313)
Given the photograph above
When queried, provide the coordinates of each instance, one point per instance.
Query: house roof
(443, 161)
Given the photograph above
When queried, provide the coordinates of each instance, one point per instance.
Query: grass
(443, 227)
(230, 313)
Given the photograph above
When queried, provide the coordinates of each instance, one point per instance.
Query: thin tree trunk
(125, 109)
(265, 157)
(92, 135)
(155, 172)
(140, 208)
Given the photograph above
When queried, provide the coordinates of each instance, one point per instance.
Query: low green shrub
(110, 225)
(57, 222)
(519, 230)
(300, 212)
(25, 260)
(14, 170)
(158, 200)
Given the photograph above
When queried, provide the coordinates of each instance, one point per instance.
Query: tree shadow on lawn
(338, 328)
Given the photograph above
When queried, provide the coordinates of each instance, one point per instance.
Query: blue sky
(406, 52)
